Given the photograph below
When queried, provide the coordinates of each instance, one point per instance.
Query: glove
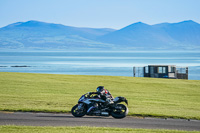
(98, 93)
(88, 94)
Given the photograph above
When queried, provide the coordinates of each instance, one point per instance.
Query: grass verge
(33, 129)
(59, 93)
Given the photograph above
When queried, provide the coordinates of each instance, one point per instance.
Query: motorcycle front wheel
(79, 110)
(119, 111)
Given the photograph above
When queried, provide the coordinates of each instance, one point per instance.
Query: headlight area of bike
(82, 98)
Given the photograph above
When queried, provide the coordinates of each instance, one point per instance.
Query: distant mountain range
(138, 36)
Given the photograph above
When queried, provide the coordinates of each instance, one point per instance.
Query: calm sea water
(96, 63)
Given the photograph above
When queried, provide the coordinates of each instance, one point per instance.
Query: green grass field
(30, 129)
(59, 93)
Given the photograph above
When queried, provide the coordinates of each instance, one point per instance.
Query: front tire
(119, 111)
(78, 111)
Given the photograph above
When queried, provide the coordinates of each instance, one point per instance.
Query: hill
(40, 35)
(183, 35)
(138, 36)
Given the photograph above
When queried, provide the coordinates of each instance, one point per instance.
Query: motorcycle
(93, 105)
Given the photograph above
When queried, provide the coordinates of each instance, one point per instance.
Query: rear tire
(120, 111)
(76, 112)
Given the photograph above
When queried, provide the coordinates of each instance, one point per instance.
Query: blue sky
(99, 13)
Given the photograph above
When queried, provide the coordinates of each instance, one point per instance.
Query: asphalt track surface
(51, 119)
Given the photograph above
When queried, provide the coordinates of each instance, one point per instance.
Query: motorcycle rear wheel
(120, 111)
(78, 112)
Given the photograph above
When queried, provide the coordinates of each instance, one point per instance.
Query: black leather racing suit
(104, 95)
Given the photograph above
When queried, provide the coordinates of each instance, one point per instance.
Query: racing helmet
(100, 88)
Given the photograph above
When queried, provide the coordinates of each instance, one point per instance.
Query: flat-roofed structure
(162, 71)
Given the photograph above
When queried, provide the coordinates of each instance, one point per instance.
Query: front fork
(80, 105)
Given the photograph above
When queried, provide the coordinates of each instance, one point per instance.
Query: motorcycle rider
(103, 94)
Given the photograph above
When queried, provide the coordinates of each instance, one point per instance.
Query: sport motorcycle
(95, 106)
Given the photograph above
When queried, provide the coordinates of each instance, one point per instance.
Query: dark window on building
(151, 70)
(172, 69)
(146, 69)
(161, 69)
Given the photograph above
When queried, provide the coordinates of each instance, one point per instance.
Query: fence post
(186, 72)
(134, 71)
